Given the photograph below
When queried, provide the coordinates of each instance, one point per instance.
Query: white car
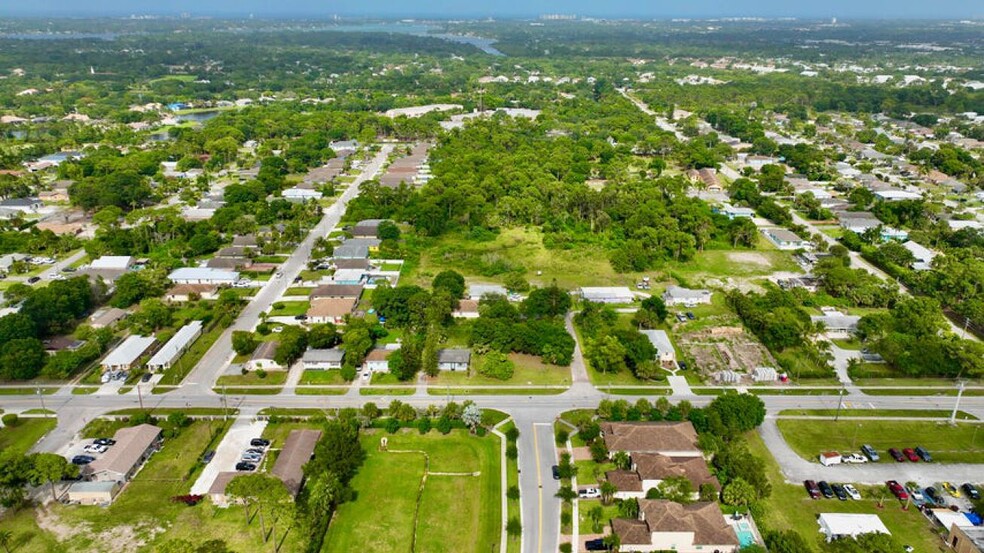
(94, 448)
(589, 493)
(852, 492)
(855, 458)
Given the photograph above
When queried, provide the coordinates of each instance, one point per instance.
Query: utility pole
(41, 397)
(140, 396)
(840, 404)
(953, 415)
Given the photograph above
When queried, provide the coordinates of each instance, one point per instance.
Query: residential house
(24, 205)
(672, 439)
(923, 255)
(453, 359)
(298, 194)
(372, 244)
(607, 294)
(323, 359)
(349, 277)
(351, 252)
(467, 309)
(349, 291)
(181, 293)
(175, 347)
(710, 180)
(896, 195)
(377, 360)
(667, 526)
(234, 251)
(648, 470)
(857, 221)
(330, 310)
(477, 291)
(677, 295)
(62, 343)
(664, 348)
(786, 239)
(843, 525)
(362, 264)
(732, 212)
(126, 354)
(93, 493)
(203, 275)
(228, 263)
(7, 261)
(134, 445)
(110, 267)
(367, 228)
(837, 323)
(296, 452)
(966, 540)
(263, 357)
(107, 317)
(245, 241)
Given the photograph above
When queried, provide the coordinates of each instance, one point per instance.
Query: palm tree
(622, 460)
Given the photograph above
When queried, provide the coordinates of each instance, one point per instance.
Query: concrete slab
(229, 451)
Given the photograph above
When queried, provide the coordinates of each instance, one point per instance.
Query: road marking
(539, 486)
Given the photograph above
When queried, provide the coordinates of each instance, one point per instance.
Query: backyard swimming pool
(744, 531)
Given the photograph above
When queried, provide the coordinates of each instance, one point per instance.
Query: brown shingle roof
(131, 443)
(337, 291)
(653, 466)
(631, 532)
(331, 307)
(704, 519)
(185, 289)
(649, 437)
(378, 354)
(296, 452)
(351, 263)
(624, 480)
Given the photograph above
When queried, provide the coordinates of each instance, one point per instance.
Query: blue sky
(887, 9)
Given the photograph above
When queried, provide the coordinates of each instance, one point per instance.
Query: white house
(661, 341)
(732, 212)
(126, 354)
(301, 195)
(323, 359)
(676, 295)
(453, 359)
(476, 291)
(24, 205)
(110, 267)
(839, 525)
(924, 256)
(263, 357)
(837, 323)
(177, 345)
(377, 360)
(607, 294)
(667, 526)
(786, 239)
(894, 195)
(203, 275)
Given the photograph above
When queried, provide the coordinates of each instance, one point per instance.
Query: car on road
(243, 466)
(852, 492)
(95, 448)
(897, 490)
(597, 544)
(146, 377)
(279, 274)
(932, 494)
(259, 442)
(951, 489)
(555, 470)
(855, 458)
(825, 489)
(589, 493)
(917, 496)
(104, 441)
(839, 491)
(896, 454)
(870, 453)
(971, 491)
(301, 317)
(924, 455)
(68, 269)
(812, 489)
(910, 454)
(33, 279)
(82, 459)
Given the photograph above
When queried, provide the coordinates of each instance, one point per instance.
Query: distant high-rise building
(558, 17)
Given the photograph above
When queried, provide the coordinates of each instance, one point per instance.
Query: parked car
(95, 448)
(971, 491)
(897, 490)
(259, 442)
(589, 493)
(245, 467)
(555, 470)
(682, 365)
(910, 454)
(209, 455)
(104, 441)
(146, 377)
(917, 496)
(935, 496)
(897, 455)
(854, 458)
(255, 451)
(924, 455)
(870, 453)
(251, 457)
(33, 279)
(839, 491)
(301, 317)
(812, 489)
(597, 544)
(68, 269)
(951, 489)
(82, 459)
(690, 315)
(852, 492)
(825, 489)
(681, 317)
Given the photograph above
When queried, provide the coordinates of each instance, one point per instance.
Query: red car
(897, 490)
(897, 455)
(911, 454)
(812, 488)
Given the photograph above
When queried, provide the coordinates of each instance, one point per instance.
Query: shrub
(424, 425)
(562, 436)
(512, 452)
(392, 425)
(512, 492)
(10, 419)
(444, 425)
(497, 365)
(261, 374)
(512, 434)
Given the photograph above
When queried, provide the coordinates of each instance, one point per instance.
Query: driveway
(230, 449)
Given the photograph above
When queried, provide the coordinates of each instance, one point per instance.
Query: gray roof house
(453, 359)
(322, 359)
(661, 341)
(346, 251)
(677, 295)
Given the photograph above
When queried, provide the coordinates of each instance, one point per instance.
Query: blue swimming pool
(745, 535)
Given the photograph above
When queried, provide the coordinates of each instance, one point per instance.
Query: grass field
(25, 433)
(323, 377)
(789, 507)
(901, 413)
(289, 308)
(963, 443)
(252, 378)
(530, 371)
(458, 513)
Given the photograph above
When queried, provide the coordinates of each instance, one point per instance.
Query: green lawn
(530, 371)
(289, 308)
(456, 513)
(851, 344)
(494, 391)
(298, 291)
(963, 443)
(25, 433)
(252, 378)
(789, 507)
(323, 377)
(901, 413)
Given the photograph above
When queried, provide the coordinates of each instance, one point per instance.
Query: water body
(421, 30)
(197, 116)
(59, 36)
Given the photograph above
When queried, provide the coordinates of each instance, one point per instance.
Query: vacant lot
(529, 371)
(459, 510)
(25, 433)
(963, 443)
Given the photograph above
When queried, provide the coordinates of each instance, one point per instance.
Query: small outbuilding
(840, 525)
(93, 493)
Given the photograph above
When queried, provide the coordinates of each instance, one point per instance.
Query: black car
(555, 470)
(33, 279)
(300, 317)
(682, 365)
(243, 466)
(825, 489)
(104, 441)
(840, 492)
(209, 455)
(923, 454)
(690, 315)
(933, 495)
(896, 454)
(595, 545)
(971, 491)
(68, 270)
(259, 442)
(146, 377)
(82, 459)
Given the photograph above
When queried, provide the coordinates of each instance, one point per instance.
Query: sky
(881, 9)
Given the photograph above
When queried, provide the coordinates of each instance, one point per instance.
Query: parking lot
(229, 452)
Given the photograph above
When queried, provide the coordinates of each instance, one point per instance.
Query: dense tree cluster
(536, 328)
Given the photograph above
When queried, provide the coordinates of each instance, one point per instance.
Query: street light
(41, 397)
(840, 404)
(956, 405)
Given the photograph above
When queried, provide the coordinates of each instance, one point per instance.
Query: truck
(829, 458)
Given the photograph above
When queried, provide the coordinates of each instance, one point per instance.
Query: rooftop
(129, 351)
(181, 339)
(297, 451)
(131, 443)
(650, 436)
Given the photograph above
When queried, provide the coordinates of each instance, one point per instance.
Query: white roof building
(127, 353)
(924, 256)
(476, 291)
(893, 195)
(202, 275)
(607, 294)
(301, 194)
(174, 347)
(837, 525)
(112, 262)
(661, 341)
(677, 295)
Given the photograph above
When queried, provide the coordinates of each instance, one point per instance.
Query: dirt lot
(725, 348)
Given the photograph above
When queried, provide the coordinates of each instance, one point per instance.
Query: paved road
(661, 122)
(218, 357)
(537, 455)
